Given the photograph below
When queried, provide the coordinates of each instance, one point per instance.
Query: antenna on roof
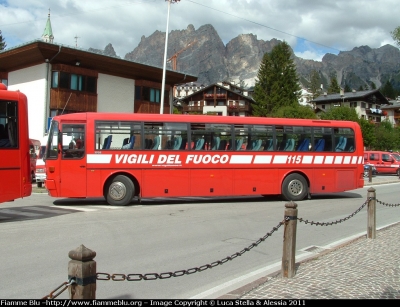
(76, 41)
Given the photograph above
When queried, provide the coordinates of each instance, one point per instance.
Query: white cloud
(326, 26)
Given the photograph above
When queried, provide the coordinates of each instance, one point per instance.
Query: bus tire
(39, 184)
(294, 187)
(120, 191)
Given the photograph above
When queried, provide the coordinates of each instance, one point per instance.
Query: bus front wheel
(294, 187)
(120, 191)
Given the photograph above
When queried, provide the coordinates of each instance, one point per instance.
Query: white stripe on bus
(259, 159)
(280, 159)
(262, 159)
(338, 159)
(241, 159)
(318, 159)
(103, 159)
(307, 159)
(346, 160)
(329, 159)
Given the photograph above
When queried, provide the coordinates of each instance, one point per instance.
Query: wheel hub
(295, 187)
(117, 191)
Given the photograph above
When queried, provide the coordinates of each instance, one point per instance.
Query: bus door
(73, 160)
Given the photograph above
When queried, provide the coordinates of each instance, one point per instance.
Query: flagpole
(165, 59)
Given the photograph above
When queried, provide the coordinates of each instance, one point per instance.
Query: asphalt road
(161, 235)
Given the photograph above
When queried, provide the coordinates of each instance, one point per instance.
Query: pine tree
(277, 82)
(334, 87)
(3, 44)
(315, 82)
(388, 90)
(372, 85)
(262, 89)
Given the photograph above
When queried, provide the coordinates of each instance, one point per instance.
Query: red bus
(123, 156)
(15, 167)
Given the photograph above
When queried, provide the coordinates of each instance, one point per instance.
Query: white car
(40, 173)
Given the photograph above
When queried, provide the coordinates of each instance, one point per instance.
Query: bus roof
(198, 118)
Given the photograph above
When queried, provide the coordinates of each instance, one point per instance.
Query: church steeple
(47, 35)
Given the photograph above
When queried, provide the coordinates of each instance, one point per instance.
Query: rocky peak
(208, 58)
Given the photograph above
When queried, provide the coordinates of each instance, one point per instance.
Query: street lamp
(165, 58)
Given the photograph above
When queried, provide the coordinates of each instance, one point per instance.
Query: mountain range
(202, 53)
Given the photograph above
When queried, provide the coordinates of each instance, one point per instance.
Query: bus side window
(4, 141)
(320, 145)
(156, 142)
(350, 144)
(107, 142)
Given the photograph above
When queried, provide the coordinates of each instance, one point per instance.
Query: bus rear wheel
(120, 191)
(294, 187)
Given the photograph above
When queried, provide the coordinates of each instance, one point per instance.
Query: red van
(385, 162)
(34, 148)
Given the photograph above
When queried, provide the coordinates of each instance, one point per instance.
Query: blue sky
(312, 27)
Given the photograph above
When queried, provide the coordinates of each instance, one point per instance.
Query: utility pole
(165, 58)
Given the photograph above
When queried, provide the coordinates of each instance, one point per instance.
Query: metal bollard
(371, 227)
(82, 268)
(289, 241)
(370, 174)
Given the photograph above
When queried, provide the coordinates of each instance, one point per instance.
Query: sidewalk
(359, 269)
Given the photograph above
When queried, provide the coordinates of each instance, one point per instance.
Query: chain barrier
(61, 288)
(165, 275)
(386, 204)
(153, 276)
(337, 221)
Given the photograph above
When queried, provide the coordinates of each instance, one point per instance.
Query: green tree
(315, 82)
(368, 132)
(386, 136)
(388, 91)
(396, 35)
(372, 85)
(347, 88)
(333, 87)
(175, 110)
(277, 83)
(298, 111)
(396, 146)
(341, 113)
(3, 44)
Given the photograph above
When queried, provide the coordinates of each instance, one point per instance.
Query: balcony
(73, 100)
(193, 108)
(376, 112)
(238, 108)
(215, 96)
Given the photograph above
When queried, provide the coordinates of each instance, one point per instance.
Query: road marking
(77, 208)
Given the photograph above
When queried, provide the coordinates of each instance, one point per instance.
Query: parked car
(40, 173)
(366, 170)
